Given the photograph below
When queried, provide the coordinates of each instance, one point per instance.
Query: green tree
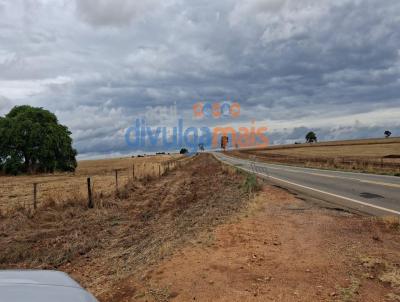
(311, 137)
(184, 151)
(32, 140)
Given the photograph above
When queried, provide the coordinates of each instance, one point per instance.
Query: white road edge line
(324, 192)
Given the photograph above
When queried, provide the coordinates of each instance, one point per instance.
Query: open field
(362, 148)
(374, 155)
(197, 235)
(123, 237)
(17, 191)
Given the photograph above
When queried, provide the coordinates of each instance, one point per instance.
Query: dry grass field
(17, 191)
(358, 148)
(197, 234)
(126, 235)
(373, 155)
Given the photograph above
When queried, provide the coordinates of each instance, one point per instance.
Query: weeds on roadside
(251, 184)
(390, 222)
(161, 294)
(229, 170)
(386, 272)
(348, 294)
(393, 297)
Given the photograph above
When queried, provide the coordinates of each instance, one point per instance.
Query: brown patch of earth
(280, 249)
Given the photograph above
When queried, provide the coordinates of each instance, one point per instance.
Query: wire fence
(27, 193)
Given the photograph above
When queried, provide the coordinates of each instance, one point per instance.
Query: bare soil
(280, 249)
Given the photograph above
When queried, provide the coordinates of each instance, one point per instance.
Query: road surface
(367, 193)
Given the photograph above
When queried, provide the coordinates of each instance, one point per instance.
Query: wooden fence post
(35, 196)
(159, 170)
(90, 199)
(116, 181)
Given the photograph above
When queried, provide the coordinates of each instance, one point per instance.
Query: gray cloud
(4, 104)
(114, 13)
(291, 64)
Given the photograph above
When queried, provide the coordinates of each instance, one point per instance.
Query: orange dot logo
(235, 110)
(216, 110)
(198, 110)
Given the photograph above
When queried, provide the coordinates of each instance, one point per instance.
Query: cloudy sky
(293, 65)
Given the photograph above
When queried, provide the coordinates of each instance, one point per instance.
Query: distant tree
(311, 137)
(388, 134)
(32, 141)
(184, 151)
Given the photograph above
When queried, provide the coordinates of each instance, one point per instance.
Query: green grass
(251, 184)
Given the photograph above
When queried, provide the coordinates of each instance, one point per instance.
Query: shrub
(251, 184)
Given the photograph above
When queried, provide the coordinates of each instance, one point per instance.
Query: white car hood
(40, 286)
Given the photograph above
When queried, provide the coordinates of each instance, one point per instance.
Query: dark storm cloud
(293, 65)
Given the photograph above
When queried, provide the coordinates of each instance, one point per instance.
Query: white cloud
(22, 90)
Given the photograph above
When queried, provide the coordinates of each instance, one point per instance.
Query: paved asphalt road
(366, 193)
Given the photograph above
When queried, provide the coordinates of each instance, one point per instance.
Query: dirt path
(282, 250)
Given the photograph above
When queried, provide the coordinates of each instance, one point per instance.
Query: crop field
(361, 148)
(374, 155)
(17, 191)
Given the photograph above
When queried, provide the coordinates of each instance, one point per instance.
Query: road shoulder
(282, 249)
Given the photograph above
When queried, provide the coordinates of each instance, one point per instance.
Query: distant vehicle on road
(40, 286)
